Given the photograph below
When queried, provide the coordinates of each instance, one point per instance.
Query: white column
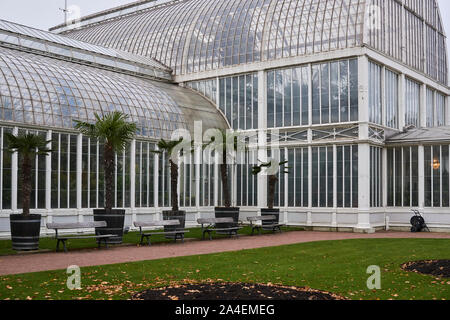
(383, 95)
(156, 181)
(309, 213)
(447, 111)
(421, 177)
(334, 214)
(2, 139)
(216, 179)
(364, 188)
(401, 101)
(48, 175)
(262, 137)
(198, 160)
(79, 180)
(363, 80)
(310, 139)
(133, 180)
(310, 92)
(403, 39)
(384, 177)
(363, 148)
(423, 106)
(14, 177)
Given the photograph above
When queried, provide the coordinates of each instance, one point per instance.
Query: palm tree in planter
(226, 147)
(115, 132)
(272, 182)
(171, 149)
(25, 227)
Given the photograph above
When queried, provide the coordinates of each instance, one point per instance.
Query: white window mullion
(88, 180)
(1, 166)
(115, 182)
(69, 145)
(36, 178)
(440, 173)
(394, 178)
(97, 174)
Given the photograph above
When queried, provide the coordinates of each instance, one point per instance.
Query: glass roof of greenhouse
(435, 134)
(199, 35)
(56, 45)
(42, 91)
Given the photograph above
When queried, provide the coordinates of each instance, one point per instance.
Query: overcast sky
(43, 14)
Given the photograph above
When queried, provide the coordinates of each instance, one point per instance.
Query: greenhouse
(352, 93)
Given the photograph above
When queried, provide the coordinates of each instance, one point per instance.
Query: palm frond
(112, 128)
(29, 145)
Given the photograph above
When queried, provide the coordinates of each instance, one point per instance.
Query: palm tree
(228, 137)
(114, 130)
(29, 146)
(170, 147)
(273, 179)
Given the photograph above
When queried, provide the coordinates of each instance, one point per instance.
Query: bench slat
(225, 229)
(169, 232)
(261, 218)
(86, 237)
(215, 220)
(157, 223)
(77, 225)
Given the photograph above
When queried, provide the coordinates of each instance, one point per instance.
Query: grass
(132, 238)
(334, 266)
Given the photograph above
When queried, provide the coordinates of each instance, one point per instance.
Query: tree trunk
(26, 185)
(174, 185)
(224, 174)
(271, 196)
(109, 169)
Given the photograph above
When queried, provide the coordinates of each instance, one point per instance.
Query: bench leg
(57, 245)
(142, 240)
(64, 245)
(180, 235)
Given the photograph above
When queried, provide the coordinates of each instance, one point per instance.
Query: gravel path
(24, 263)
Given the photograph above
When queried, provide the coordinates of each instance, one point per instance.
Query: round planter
(174, 215)
(223, 212)
(115, 221)
(25, 231)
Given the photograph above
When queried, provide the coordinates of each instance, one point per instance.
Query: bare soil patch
(437, 268)
(234, 291)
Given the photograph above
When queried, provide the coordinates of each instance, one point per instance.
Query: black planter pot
(224, 212)
(25, 231)
(174, 215)
(115, 220)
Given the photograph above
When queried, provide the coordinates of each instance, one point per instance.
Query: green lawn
(336, 266)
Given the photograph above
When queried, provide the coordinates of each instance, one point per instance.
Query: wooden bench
(211, 225)
(176, 233)
(268, 222)
(79, 225)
